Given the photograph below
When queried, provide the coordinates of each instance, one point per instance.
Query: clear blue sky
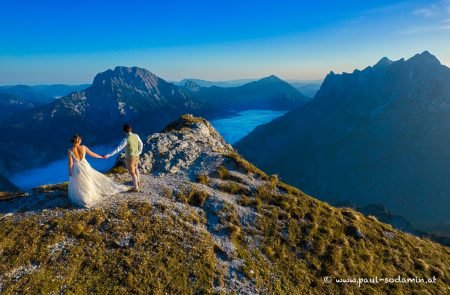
(70, 41)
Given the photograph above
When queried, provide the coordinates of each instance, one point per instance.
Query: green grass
(81, 252)
(193, 196)
(118, 169)
(232, 187)
(304, 240)
(4, 196)
(244, 165)
(52, 188)
(223, 173)
(203, 179)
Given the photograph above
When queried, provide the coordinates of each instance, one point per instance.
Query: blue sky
(71, 41)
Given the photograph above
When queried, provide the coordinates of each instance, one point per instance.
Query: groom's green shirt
(133, 146)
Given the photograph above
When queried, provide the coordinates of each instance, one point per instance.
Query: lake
(232, 129)
(235, 128)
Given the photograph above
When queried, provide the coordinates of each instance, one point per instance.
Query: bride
(86, 185)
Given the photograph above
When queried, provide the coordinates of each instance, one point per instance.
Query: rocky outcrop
(188, 145)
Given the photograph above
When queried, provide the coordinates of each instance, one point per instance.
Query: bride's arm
(70, 164)
(92, 154)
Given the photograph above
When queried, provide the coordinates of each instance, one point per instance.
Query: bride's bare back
(79, 151)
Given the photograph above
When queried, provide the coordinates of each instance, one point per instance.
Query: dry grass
(233, 188)
(245, 166)
(52, 188)
(5, 196)
(203, 179)
(130, 249)
(304, 240)
(118, 169)
(193, 196)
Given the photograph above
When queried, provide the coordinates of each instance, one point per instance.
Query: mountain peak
(191, 85)
(425, 58)
(384, 62)
(123, 70)
(138, 77)
(271, 78)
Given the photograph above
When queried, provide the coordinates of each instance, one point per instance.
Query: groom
(133, 148)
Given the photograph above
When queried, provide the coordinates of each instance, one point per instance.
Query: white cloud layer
(433, 17)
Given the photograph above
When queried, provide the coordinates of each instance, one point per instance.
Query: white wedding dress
(87, 186)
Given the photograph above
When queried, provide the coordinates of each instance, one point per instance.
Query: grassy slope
(130, 248)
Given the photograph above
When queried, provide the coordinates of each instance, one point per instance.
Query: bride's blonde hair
(75, 139)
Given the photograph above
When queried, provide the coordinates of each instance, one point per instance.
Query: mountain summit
(425, 58)
(134, 78)
(206, 221)
(384, 62)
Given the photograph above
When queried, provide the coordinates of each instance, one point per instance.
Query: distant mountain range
(379, 135)
(41, 94)
(267, 93)
(125, 94)
(17, 98)
(308, 88)
(206, 83)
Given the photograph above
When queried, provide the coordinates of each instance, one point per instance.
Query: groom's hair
(127, 128)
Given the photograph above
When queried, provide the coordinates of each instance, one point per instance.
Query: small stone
(389, 235)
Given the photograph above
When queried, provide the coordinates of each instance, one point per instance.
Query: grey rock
(189, 148)
(389, 235)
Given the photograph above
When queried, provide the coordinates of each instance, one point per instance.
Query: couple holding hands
(86, 185)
